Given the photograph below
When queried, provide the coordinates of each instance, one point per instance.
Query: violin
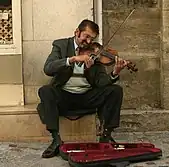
(106, 57)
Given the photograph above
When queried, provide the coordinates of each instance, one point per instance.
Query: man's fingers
(116, 59)
(82, 58)
(89, 63)
(120, 64)
(120, 61)
(85, 62)
(125, 63)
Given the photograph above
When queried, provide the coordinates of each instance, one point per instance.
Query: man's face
(84, 38)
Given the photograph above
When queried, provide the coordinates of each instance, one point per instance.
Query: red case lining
(86, 154)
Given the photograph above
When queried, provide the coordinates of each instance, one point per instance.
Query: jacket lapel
(71, 48)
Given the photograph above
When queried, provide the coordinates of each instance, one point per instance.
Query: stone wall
(143, 39)
(139, 41)
(165, 54)
(11, 84)
(42, 22)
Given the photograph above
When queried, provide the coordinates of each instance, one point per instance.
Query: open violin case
(107, 154)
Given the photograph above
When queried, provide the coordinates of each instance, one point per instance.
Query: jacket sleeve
(55, 61)
(102, 78)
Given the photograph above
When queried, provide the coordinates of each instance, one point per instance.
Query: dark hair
(92, 47)
(88, 23)
(96, 45)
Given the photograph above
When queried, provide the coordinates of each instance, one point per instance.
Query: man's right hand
(79, 58)
(82, 58)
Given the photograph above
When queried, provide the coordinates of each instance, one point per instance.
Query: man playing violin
(76, 87)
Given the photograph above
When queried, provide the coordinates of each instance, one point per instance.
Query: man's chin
(84, 46)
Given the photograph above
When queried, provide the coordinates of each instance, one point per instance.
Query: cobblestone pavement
(29, 154)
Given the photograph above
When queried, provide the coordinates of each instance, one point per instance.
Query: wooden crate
(83, 129)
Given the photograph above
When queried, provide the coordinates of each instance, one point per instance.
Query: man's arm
(58, 59)
(55, 61)
(104, 79)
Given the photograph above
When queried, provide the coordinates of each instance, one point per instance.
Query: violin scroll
(131, 67)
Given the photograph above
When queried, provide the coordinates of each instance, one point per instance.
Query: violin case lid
(103, 154)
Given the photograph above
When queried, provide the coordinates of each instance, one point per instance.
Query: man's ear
(77, 32)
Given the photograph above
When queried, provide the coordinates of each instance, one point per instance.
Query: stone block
(165, 16)
(165, 88)
(11, 69)
(31, 94)
(165, 35)
(136, 43)
(53, 20)
(140, 13)
(34, 57)
(165, 75)
(124, 4)
(83, 129)
(27, 21)
(141, 89)
(140, 33)
(144, 121)
(165, 4)
(11, 95)
(26, 126)
(164, 97)
(164, 57)
(140, 22)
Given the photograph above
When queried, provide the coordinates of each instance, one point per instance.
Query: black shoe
(106, 137)
(52, 150)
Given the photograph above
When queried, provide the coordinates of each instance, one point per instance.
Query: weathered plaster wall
(11, 83)
(139, 41)
(42, 22)
(11, 80)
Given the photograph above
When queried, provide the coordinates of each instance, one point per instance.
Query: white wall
(42, 22)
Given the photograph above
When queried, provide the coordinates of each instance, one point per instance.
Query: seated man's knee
(44, 90)
(116, 89)
(119, 89)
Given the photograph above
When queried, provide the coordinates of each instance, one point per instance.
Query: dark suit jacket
(55, 66)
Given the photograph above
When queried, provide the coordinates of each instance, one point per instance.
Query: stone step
(144, 120)
(23, 124)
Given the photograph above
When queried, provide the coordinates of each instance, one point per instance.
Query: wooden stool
(82, 129)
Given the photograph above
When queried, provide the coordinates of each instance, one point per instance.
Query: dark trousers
(57, 102)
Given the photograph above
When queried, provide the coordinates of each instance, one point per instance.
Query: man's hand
(82, 58)
(119, 65)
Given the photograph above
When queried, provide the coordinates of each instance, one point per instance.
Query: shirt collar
(75, 44)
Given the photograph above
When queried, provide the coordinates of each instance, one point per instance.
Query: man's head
(93, 48)
(86, 32)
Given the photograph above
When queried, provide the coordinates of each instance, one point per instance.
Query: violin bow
(97, 55)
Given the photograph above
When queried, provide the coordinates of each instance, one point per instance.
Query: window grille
(6, 33)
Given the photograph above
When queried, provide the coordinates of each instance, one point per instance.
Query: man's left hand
(119, 65)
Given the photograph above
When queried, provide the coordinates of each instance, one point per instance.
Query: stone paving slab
(29, 154)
